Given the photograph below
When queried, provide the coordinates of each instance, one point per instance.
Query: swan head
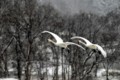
(51, 41)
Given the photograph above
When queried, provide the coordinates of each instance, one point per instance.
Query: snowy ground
(8, 79)
(50, 70)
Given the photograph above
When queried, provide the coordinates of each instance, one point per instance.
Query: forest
(26, 54)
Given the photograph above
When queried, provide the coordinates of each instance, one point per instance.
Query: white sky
(74, 6)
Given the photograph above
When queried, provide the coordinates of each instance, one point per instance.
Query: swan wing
(71, 43)
(57, 38)
(82, 38)
(103, 52)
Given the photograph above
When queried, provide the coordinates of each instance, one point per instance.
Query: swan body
(90, 45)
(59, 42)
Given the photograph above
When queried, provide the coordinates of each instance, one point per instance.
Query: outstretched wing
(103, 52)
(57, 38)
(71, 43)
(87, 42)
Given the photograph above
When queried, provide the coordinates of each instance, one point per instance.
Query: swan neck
(51, 41)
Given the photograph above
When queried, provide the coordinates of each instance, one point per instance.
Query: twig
(89, 56)
(7, 46)
(87, 72)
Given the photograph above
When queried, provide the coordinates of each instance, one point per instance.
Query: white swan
(90, 45)
(59, 42)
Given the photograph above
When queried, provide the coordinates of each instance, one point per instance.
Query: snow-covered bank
(8, 79)
(111, 72)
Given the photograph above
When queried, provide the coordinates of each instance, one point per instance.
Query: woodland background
(25, 53)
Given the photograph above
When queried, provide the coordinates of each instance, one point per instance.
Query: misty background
(100, 7)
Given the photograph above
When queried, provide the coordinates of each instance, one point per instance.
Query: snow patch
(100, 72)
(8, 79)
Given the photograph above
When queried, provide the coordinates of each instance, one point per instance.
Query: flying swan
(59, 42)
(90, 45)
